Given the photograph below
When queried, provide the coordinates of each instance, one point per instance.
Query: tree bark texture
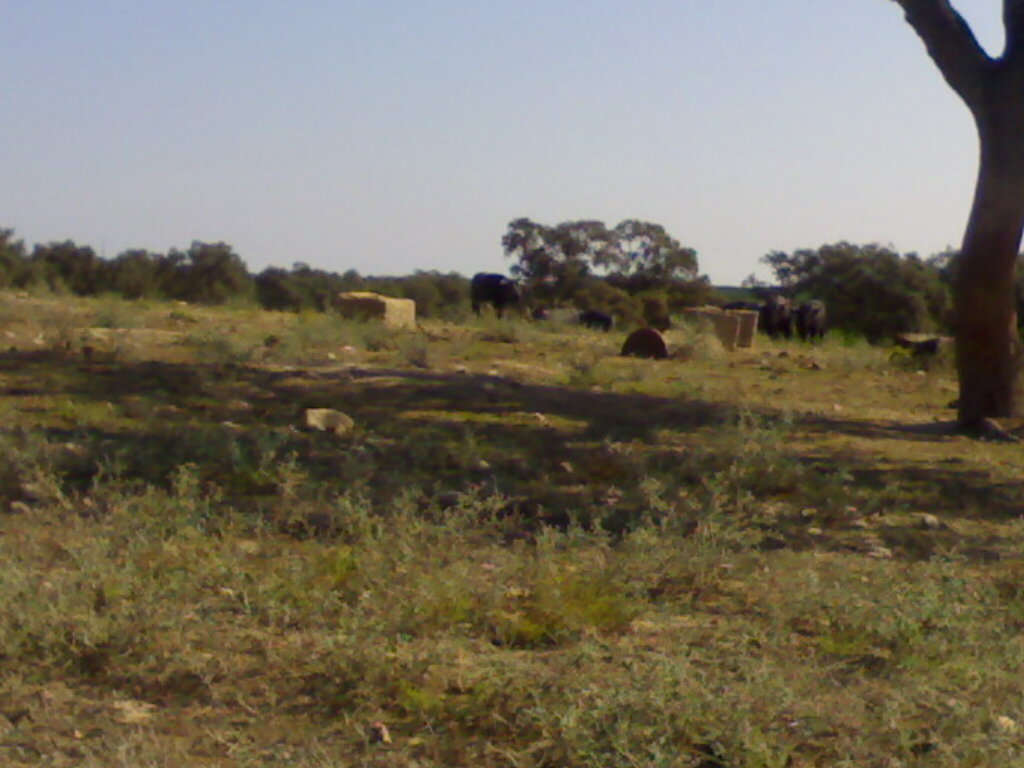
(993, 89)
(986, 321)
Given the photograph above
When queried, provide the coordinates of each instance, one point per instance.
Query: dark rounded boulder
(645, 342)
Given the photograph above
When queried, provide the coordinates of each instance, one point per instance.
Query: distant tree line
(635, 271)
(210, 273)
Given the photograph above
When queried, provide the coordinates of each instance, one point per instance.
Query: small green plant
(415, 352)
(114, 313)
(181, 317)
(210, 346)
(375, 337)
(584, 370)
(500, 331)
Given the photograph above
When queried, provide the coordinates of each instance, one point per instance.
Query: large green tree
(993, 90)
(562, 263)
(554, 263)
(212, 273)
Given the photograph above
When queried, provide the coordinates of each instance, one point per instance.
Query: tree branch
(952, 45)
(1013, 23)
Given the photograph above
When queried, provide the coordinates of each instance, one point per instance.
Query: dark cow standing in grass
(776, 318)
(496, 290)
(600, 321)
(810, 320)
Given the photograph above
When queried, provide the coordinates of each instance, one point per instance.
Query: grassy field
(527, 551)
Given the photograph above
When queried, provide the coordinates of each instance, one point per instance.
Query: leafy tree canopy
(559, 264)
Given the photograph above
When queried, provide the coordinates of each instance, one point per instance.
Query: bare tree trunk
(986, 330)
(993, 89)
(986, 321)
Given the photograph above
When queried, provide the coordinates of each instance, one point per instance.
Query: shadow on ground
(557, 453)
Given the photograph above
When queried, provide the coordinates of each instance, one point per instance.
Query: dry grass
(528, 551)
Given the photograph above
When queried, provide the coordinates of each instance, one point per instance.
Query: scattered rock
(647, 343)
(1004, 724)
(329, 420)
(379, 733)
(930, 522)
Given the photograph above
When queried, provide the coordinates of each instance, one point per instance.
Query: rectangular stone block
(365, 305)
(748, 326)
(725, 325)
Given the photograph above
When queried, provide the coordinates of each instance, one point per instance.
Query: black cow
(810, 320)
(776, 317)
(496, 290)
(600, 321)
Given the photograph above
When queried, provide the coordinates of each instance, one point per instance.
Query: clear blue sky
(395, 135)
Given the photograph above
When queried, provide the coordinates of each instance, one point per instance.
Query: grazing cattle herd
(778, 317)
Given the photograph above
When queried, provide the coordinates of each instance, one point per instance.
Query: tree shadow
(555, 452)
